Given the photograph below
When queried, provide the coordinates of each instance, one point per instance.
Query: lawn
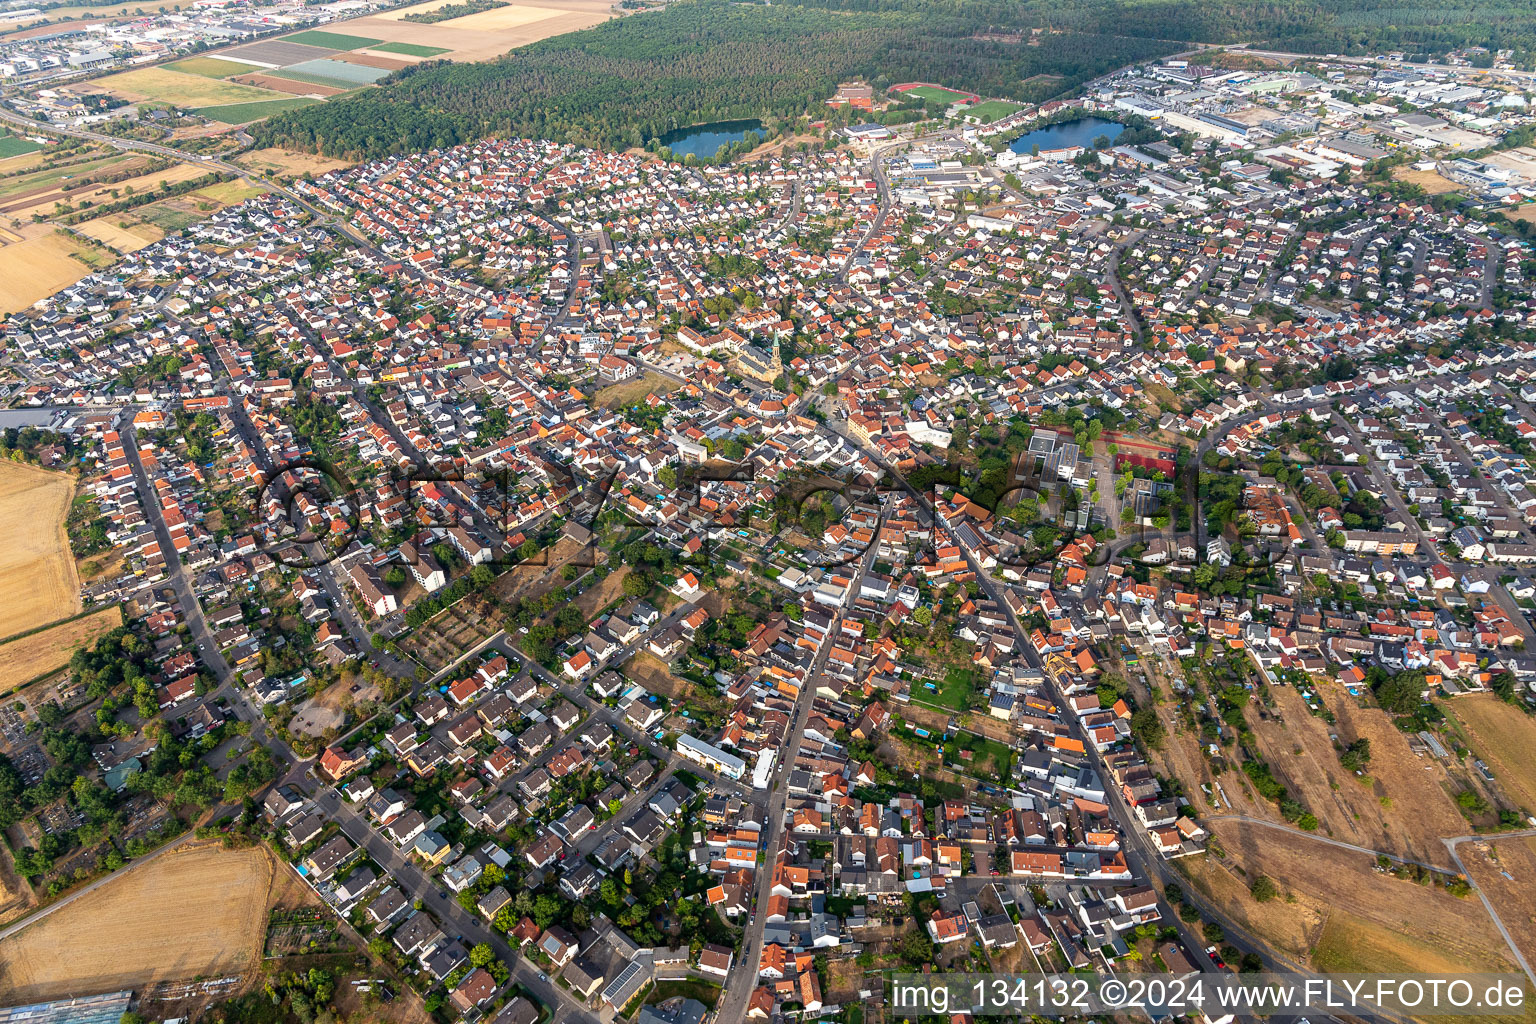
(934, 92)
(992, 110)
(332, 40)
(245, 113)
(987, 755)
(179, 89)
(410, 49)
(690, 988)
(10, 145)
(211, 67)
(954, 690)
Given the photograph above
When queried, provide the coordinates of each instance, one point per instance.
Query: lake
(1080, 132)
(702, 140)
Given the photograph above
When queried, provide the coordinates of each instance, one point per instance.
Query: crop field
(332, 72)
(37, 573)
(410, 49)
(992, 110)
(197, 911)
(144, 183)
(265, 80)
(25, 185)
(1504, 738)
(182, 90)
(11, 145)
(209, 67)
(31, 269)
(331, 40)
(33, 655)
(274, 53)
(245, 113)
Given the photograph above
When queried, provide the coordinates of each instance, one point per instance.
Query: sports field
(932, 92)
(992, 110)
(38, 583)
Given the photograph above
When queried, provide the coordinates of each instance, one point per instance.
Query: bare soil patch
(1432, 182)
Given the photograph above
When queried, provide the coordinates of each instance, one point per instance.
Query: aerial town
(1095, 535)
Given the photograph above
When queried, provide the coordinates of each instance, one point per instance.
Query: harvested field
(488, 34)
(289, 85)
(1432, 182)
(287, 161)
(37, 573)
(1504, 737)
(124, 239)
(629, 392)
(31, 656)
(178, 89)
(1351, 945)
(195, 911)
(1346, 883)
(32, 269)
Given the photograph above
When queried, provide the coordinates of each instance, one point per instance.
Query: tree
(482, 954)
(1263, 889)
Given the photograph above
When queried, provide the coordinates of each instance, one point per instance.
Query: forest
(631, 80)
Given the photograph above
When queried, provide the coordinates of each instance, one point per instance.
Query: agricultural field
(410, 49)
(245, 113)
(334, 73)
(83, 196)
(196, 911)
(35, 654)
(34, 266)
(177, 88)
(331, 40)
(478, 36)
(12, 145)
(228, 193)
(1504, 738)
(992, 110)
(38, 584)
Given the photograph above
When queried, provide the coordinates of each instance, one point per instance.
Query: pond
(702, 140)
(1080, 132)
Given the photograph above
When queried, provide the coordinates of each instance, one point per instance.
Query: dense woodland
(627, 82)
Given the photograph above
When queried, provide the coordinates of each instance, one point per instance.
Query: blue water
(702, 140)
(1080, 132)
